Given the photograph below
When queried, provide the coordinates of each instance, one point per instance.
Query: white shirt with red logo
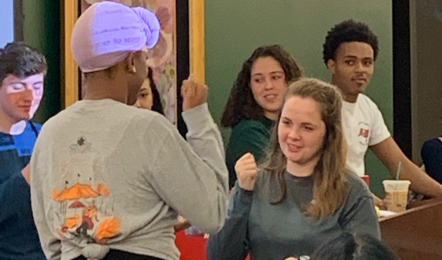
(364, 126)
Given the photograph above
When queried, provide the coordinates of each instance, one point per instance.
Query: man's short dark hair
(21, 60)
(348, 31)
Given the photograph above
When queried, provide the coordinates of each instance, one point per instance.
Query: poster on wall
(162, 58)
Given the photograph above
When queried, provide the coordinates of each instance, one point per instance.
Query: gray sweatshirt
(275, 232)
(109, 176)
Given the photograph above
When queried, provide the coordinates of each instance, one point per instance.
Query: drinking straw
(398, 173)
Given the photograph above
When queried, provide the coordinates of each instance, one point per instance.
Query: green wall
(42, 31)
(235, 28)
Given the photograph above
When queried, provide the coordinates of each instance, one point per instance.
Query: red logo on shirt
(364, 132)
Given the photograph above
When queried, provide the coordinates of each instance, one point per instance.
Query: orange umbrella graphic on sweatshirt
(79, 190)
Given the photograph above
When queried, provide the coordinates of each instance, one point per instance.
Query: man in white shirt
(349, 52)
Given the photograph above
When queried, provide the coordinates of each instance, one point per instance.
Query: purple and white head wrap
(108, 31)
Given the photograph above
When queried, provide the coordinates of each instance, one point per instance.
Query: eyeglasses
(304, 257)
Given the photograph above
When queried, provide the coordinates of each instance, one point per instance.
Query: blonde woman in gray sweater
(301, 195)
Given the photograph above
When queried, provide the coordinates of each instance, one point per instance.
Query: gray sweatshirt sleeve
(202, 130)
(359, 216)
(192, 179)
(231, 242)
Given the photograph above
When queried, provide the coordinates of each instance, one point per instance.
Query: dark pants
(121, 255)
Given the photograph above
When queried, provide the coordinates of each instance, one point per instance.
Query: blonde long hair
(329, 179)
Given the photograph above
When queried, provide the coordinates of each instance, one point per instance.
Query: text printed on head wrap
(107, 31)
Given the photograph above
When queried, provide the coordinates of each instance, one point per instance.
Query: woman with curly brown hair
(254, 101)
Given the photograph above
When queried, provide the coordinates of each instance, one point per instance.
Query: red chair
(192, 247)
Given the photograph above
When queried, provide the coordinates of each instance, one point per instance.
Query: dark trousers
(121, 255)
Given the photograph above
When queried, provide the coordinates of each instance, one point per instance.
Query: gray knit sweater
(275, 232)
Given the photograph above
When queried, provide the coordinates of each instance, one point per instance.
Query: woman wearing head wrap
(108, 180)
